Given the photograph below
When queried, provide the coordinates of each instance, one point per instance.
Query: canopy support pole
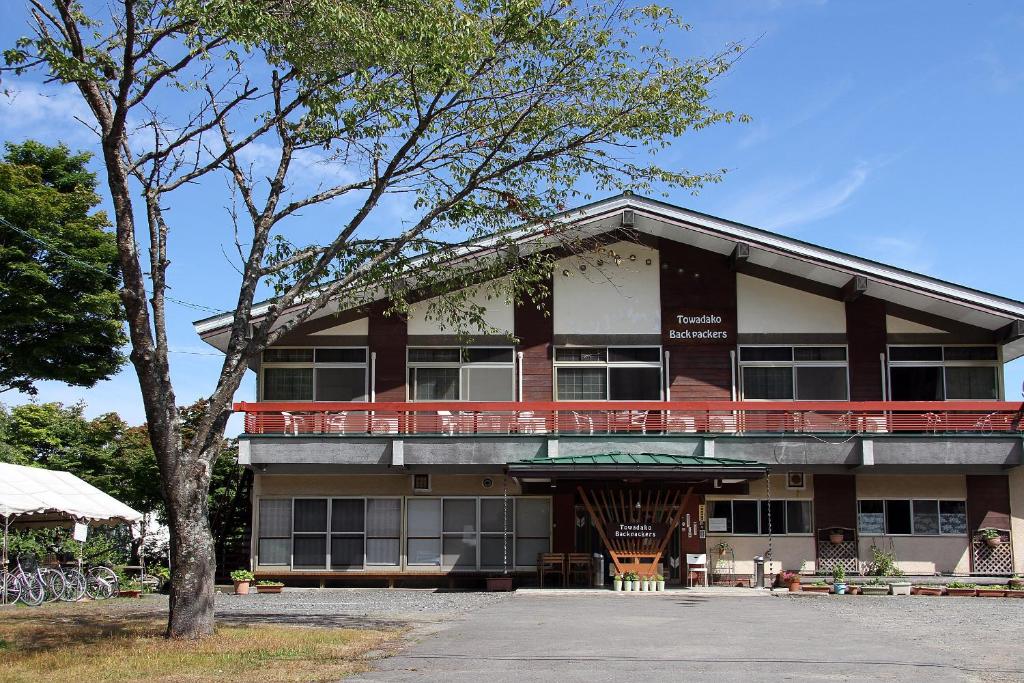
(3, 567)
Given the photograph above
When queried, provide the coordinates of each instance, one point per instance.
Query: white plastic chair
(702, 568)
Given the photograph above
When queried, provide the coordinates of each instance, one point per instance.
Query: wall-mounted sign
(718, 524)
(697, 327)
(639, 530)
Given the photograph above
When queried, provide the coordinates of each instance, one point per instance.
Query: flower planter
(835, 539)
(1015, 593)
(991, 592)
(928, 590)
(874, 589)
(242, 587)
(817, 589)
(993, 542)
(271, 589)
(660, 585)
(853, 590)
(617, 585)
(628, 585)
(962, 592)
(494, 583)
(130, 594)
(794, 586)
(900, 587)
(840, 588)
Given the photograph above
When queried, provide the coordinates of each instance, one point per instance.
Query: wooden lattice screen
(611, 510)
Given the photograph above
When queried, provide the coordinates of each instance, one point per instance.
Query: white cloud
(47, 114)
(810, 109)
(788, 203)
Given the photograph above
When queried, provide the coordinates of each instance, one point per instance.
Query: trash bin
(758, 572)
(598, 569)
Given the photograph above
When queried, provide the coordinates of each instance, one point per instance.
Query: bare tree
(486, 113)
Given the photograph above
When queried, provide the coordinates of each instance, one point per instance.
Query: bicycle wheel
(32, 591)
(101, 583)
(54, 584)
(10, 589)
(74, 587)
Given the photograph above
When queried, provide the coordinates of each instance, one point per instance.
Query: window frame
(259, 530)
(330, 533)
(913, 531)
(760, 502)
(462, 365)
(996, 366)
(314, 365)
(793, 364)
(608, 365)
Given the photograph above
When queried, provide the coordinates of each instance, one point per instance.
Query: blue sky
(892, 130)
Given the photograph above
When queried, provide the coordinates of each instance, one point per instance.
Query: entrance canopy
(640, 465)
(31, 496)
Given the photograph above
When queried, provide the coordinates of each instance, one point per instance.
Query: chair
(584, 423)
(293, 424)
(581, 565)
(449, 423)
(528, 423)
(551, 563)
(696, 564)
(335, 423)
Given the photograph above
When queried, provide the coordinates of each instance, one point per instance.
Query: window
(911, 517)
(461, 373)
(314, 374)
(340, 533)
(616, 373)
(751, 516)
(803, 373)
(471, 533)
(939, 373)
(274, 546)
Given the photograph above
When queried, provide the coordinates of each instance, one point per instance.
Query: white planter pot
(900, 588)
(617, 585)
(661, 585)
(645, 585)
(628, 585)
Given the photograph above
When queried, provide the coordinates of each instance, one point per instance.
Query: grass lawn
(113, 641)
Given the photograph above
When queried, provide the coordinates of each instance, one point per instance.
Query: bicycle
(21, 586)
(102, 583)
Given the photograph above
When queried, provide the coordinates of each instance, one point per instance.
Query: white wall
(766, 307)
(359, 327)
(609, 298)
(500, 315)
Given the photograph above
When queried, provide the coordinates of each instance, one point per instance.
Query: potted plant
(242, 579)
(991, 537)
(991, 591)
(269, 586)
(928, 589)
(839, 579)
(629, 581)
(645, 583)
(659, 582)
(960, 589)
(817, 587)
(1015, 587)
(499, 583)
(836, 536)
(791, 580)
(900, 587)
(130, 588)
(875, 587)
(617, 582)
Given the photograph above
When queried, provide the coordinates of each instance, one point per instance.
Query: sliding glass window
(615, 373)
(471, 373)
(337, 533)
(802, 373)
(314, 374)
(939, 373)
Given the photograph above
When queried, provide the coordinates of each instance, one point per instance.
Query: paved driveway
(688, 636)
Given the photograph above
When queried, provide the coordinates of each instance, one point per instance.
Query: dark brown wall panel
(988, 502)
(835, 501)
(388, 335)
(865, 334)
(695, 282)
(535, 328)
(563, 518)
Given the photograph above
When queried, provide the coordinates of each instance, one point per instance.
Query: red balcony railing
(640, 417)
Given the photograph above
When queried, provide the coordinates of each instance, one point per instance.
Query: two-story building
(702, 387)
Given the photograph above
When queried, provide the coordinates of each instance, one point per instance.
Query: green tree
(60, 315)
(487, 113)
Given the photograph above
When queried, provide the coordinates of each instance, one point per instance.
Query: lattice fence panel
(831, 555)
(993, 559)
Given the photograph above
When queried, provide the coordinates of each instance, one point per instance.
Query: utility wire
(89, 266)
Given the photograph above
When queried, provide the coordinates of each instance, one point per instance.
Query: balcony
(460, 418)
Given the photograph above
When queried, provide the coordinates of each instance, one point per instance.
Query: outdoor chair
(449, 423)
(581, 566)
(528, 423)
(335, 423)
(293, 424)
(584, 423)
(696, 564)
(551, 563)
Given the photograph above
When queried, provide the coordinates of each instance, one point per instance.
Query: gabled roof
(762, 250)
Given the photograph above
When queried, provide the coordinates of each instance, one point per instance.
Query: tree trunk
(192, 558)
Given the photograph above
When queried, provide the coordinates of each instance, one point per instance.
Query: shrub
(241, 575)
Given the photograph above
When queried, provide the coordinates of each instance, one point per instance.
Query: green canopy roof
(655, 465)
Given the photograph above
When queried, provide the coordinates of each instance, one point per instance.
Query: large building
(692, 385)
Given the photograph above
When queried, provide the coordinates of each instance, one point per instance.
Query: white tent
(31, 496)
